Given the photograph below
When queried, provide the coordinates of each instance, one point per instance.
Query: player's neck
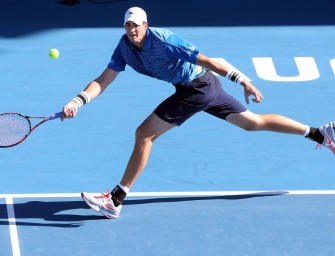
(139, 45)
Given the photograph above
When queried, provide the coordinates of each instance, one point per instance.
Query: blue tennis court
(209, 188)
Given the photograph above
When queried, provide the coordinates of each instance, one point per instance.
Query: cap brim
(136, 21)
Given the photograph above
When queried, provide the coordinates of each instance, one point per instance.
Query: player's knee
(252, 126)
(256, 123)
(142, 134)
(139, 133)
(249, 128)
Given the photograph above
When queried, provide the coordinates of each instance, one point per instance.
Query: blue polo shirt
(165, 56)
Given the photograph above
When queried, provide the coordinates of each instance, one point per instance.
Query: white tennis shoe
(328, 131)
(103, 204)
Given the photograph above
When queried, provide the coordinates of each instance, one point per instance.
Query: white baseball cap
(135, 14)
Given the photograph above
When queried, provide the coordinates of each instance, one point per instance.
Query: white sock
(308, 129)
(125, 189)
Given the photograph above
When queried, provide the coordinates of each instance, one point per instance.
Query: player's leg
(250, 121)
(146, 133)
(110, 204)
(227, 107)
(324, 135)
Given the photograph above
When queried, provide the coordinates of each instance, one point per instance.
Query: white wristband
(82, 99)
(234, 76)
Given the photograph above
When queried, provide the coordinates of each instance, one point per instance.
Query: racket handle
(53, 116)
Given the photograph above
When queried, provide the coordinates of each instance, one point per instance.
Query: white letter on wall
(332, 64)
(307, 68)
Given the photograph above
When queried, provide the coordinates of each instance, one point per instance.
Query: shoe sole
(88, 203)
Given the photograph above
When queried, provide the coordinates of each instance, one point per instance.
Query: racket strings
(13, 129)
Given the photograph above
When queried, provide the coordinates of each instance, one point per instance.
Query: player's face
(136, 33)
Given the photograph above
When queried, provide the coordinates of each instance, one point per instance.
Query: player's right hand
(70, 110)
(251, 90)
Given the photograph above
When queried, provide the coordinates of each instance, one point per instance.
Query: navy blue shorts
(202, 94)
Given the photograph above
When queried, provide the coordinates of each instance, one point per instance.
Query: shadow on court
(33, 16)
(199, 198)
(51, 211)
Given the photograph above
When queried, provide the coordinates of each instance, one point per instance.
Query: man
(161, 54)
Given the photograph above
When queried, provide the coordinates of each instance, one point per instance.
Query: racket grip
(54, 116)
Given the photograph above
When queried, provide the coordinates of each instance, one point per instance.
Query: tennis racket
(15, 127)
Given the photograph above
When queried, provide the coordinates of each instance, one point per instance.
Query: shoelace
(104, 195)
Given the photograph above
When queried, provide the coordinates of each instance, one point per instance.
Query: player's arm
(93, 89)
(223, 70)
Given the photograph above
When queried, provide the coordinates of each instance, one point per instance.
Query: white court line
(189, 193)
(12, 220)
(12, 226)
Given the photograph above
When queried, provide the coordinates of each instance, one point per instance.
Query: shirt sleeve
(117, 62)
(180, 48)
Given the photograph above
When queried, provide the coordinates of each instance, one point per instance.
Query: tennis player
(159, 53)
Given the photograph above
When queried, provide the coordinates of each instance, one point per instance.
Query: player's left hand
(251, 90)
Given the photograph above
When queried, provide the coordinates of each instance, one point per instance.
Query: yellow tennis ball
(54, 53)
